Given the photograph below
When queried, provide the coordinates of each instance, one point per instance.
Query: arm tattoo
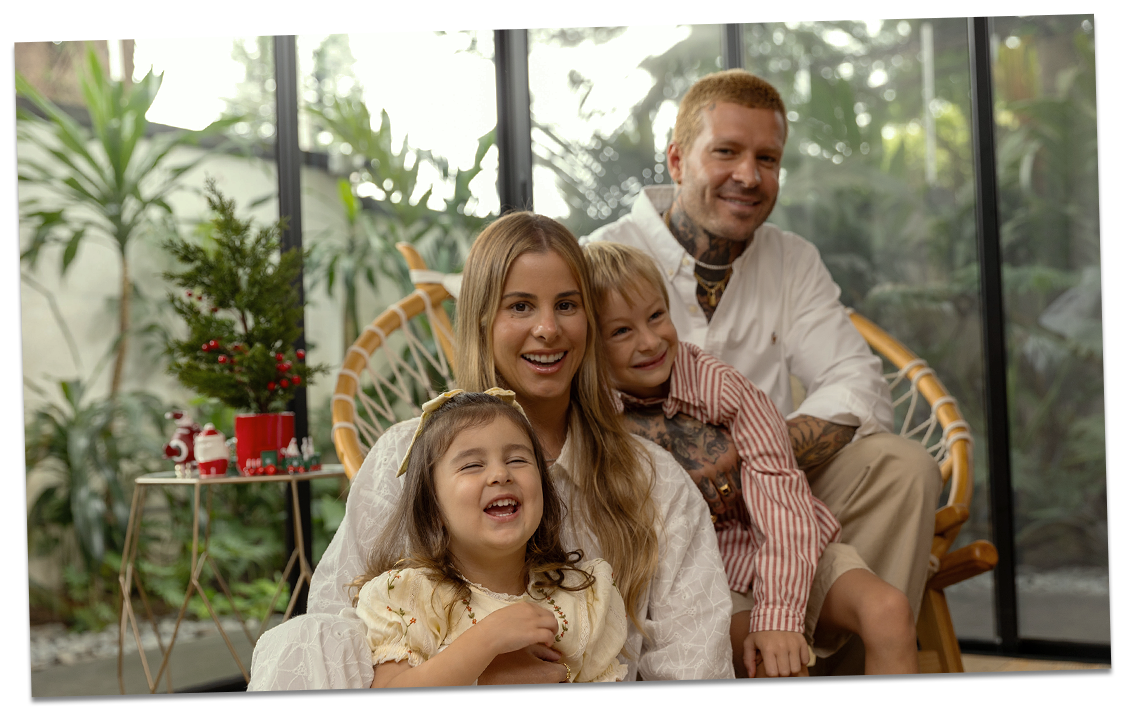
(707, 452)
(815, 440)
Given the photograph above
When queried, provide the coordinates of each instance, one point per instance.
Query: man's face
(728, 180)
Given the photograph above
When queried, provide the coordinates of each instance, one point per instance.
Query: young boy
(793, 584)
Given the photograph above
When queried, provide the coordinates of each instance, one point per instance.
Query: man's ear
(675, 163)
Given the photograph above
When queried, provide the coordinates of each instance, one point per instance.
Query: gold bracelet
(569, 673)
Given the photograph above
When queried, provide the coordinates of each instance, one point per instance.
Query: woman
(525, 322)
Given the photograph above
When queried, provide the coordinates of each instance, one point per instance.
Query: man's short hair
(735, 86)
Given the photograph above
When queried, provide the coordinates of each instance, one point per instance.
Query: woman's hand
(784, 654)
(517, 626)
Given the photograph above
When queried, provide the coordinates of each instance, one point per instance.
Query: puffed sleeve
(608, 627)
(400, 616)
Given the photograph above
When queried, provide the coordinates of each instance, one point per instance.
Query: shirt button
(671, 271)
(691, 309)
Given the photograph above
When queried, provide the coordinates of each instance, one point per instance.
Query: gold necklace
(714, 289)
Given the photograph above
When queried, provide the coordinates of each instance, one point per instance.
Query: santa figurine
(211, 452)
(179, 449)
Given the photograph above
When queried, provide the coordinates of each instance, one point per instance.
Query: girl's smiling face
(539, 329)
(490, 494)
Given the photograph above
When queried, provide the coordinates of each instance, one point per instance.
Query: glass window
(603, 102)
(878, 175)
(1045, 107)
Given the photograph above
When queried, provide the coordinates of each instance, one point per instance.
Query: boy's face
(641, 343)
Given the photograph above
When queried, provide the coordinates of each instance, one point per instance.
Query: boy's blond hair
(624, 269)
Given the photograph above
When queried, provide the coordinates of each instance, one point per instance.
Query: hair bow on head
(435, 403)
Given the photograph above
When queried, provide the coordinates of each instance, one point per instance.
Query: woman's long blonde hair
(614, 473)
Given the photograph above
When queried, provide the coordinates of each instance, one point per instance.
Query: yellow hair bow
(435, 403)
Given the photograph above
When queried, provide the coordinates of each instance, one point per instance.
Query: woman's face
(539, 330)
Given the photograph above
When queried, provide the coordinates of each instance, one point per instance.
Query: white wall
(84, 294)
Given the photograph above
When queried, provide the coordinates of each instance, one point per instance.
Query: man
(762, 300)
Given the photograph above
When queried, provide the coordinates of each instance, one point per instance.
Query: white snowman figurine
(211, 452)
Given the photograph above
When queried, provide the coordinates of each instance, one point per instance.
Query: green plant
(242, 311)
(376, 194)
(105, 180)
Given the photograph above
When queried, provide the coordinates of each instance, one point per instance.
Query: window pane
(603, 102)
(391, 157)
(1045, 106)
(878, 175)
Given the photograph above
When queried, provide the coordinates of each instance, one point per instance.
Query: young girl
(485, 572)
(793, 583)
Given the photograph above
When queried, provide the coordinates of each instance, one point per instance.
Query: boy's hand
(784, 654)
(519, 625)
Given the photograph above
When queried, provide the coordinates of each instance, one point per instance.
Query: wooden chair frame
(943, 432)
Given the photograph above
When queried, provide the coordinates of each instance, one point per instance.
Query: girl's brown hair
(417, 536)
(614, 473)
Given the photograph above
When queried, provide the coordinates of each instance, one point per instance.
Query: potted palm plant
(237, 296)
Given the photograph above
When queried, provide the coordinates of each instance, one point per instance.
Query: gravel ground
(52, 644)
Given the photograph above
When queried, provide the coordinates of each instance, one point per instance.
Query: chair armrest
(961, 564)
(948, 517)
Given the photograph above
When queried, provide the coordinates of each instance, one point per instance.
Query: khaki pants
(884, 490)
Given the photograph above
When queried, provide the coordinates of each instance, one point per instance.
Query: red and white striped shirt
(776, 556)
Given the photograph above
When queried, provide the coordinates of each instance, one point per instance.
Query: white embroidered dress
(686, 610)
(407, 618)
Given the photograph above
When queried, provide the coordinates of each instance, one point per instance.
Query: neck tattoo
(667, 217)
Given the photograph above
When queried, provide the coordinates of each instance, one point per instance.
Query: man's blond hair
(735, 86)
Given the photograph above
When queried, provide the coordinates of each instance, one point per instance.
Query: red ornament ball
(188, 293)
(296, 380)
(212, 344)
(280, 368)
(222, 359)
(215, 309)
(300, 353)
(284, 383)
(271, 386)
(205, 347)
(279, 357)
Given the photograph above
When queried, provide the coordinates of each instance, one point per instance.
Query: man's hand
(814, 440)
(533, 664)
(784, 654)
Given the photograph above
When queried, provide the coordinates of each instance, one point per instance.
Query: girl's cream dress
(406, 617)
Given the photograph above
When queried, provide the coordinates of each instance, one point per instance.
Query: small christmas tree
(241, 307)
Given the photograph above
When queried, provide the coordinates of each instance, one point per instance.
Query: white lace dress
(406, 614)
(686, 611)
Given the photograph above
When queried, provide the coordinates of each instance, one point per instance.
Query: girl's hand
(784, 654)
(519, 625)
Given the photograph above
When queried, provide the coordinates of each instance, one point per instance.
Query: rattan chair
(405, 357)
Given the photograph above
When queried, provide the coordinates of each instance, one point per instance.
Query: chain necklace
(708, 266)
(714, 289)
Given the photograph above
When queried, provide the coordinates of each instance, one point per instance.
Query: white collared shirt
(780, 314)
